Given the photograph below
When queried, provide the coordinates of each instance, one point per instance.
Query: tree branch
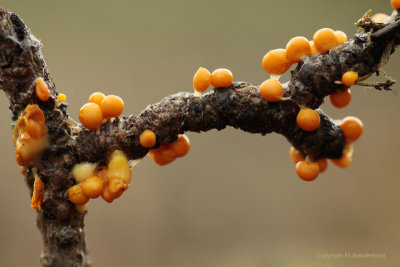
(239, 106)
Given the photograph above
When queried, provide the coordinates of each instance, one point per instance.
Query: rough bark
(239, 106)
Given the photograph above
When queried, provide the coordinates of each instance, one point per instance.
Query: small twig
(378, 85)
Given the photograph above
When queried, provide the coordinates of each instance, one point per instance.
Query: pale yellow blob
(119, 167)
(82, 171)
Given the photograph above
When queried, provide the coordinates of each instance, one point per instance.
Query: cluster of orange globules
(109, 181)
(166, 153)
(218, 78)
(169, 152)
(352, 127)
(278, 61)
(308, 170)
(100, 107)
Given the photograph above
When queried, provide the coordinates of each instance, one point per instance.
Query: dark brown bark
(239, 106)
(61, 225)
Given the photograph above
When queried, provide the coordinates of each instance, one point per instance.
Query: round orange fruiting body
(112, 106)
(379, 17)
(201, 80)
(324, 40)
(221, 78)
(147, 138)
(341, 99)
(349, 78)
(42, 90)
(352, 128)
(344, 161)
(76, 195)
(92, 187)
(308, 119)
(91, 115)
(314, 51)
(307, 170)
(395, 4)
(271, 90)
(295, 155)
(322, 164)
(181, 146)
(163, 155)
(297, 48)
(341, 37)
(276, 62)
(96, 98)
(61, 97)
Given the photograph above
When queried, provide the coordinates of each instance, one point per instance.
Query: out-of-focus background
(235, 199)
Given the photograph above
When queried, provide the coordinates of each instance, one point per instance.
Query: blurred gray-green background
(235, 199)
